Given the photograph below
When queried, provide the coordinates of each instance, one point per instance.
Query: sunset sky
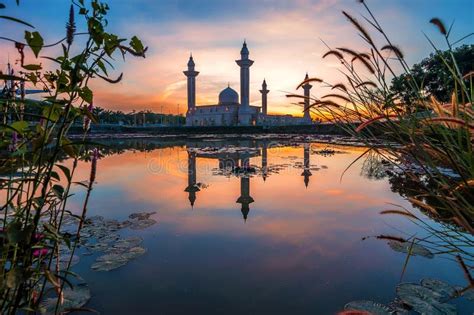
(284, 38)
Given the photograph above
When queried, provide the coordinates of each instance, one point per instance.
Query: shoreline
(327, 129)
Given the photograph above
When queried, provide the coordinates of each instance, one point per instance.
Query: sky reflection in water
(299, 250)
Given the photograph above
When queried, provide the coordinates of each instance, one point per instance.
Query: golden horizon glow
(285, 41)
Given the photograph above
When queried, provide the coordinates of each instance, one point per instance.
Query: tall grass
(34, 186)
(427, 142)
(423, 139)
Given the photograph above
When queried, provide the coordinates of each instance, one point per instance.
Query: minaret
(307, 87)
(245, 199)
(191, 74)
(264, 161)
(264, 92)
(244, 63)
(306, 167)
(192, 186)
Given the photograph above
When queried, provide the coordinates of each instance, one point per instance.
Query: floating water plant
(413, 249)
(424, 300)
(73, 298)
(443, 289)
(370, 307)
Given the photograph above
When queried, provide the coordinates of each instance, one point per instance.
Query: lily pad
(108, 265)
(109, 238)
(142, 224)
(94, 219)
(134, 252)
(416, 249)
(73, 299)
(124, 244)
(444, 289)
(141, 215)
(109, 257)
(371, 307)
(117, 259)
(64, 260)
(424, 300)
(98, 247)
(469, 294)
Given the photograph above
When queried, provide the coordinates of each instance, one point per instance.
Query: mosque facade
(239, 161)
(232, 110)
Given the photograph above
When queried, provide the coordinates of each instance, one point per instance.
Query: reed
(34, 183)
(428, 142)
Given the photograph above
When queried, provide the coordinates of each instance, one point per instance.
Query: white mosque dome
(228, 96)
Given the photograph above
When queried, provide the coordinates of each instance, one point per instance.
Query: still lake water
(284, 240)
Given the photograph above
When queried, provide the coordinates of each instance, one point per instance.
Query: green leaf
(52, 112)
(86, 94)
(137, 45)
(20, 126)
(55, 175)
(102, 66)
(16, 20)
(32, 67)
(66, 171)
(111, 43)
(68, 147)
(35, 41)
(32, 77)
(51, 231)
(91, 116)
(96, 30)
(58, 190)
(81, 184)
(11, 77)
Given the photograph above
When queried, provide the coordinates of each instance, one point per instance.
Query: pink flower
(14, 142)
(38, 237)
(40, 252)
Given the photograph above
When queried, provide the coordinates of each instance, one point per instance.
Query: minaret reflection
(306, 167)
(192, 185)
(264, 161)
(245, 199)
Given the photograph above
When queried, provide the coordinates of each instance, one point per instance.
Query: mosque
(229, 111)
(239, 160)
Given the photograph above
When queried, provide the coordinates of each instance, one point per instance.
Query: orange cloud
(285, 44)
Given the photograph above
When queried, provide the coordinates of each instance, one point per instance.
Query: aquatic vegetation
(117, 258)
(429, 297)
(443, 289)
(72, 299)
(370, 307)
(35, 184)
(411, 248)
(100, 235)
(424, 300)
(421, 135)
(413, 136)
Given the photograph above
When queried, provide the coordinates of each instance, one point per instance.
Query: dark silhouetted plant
(35, 185)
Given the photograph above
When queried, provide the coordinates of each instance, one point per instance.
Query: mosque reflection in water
(236, 162)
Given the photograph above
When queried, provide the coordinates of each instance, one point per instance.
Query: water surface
(286, 239)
